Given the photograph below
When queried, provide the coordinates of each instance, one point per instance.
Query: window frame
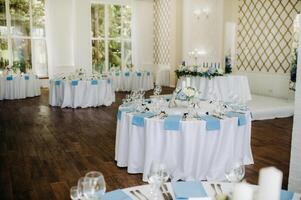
(10, 36)
(106, 38)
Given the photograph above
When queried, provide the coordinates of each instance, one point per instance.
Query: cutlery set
(139, 195)
(165, 192)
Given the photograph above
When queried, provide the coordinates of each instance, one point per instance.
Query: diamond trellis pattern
(162, 29)
(265, 35)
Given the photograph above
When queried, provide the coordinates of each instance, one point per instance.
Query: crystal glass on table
(95, 186)
(157, 90)
(235, 172)
(157, 176)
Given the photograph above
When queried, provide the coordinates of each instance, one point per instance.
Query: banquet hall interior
(150, 99)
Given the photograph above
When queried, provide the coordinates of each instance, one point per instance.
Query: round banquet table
(223, 87)
(226, 188)
(192, 152)
(19, 86)
(81, 94)
(128, 81)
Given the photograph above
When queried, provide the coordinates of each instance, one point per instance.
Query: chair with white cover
(9, 87)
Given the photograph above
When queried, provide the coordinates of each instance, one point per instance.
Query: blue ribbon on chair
(26, 77)
(117, 74)
(74, 82)
(121, 110)
(127, 74)
(172, 122)
(9, 78)
(212, 123)
(241, 117)
(138, 119)
(109, 81)
(139, 74)
(94, 82)
(57, 82)
(148, 73)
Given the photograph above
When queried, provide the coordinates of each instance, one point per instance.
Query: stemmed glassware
(157, 176)
(235, 172)
(92, 186)
(157, 90)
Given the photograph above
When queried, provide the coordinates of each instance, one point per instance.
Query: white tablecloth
(227, 188)
(128, 81)
(223, 87)
(19, 87)
(193, 153)
(84, 94)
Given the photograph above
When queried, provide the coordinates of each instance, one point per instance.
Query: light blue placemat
(116, 195)
(121, 110)
(286, 195)
(212, 123)
(185, 190)
(138, 119)
(241, 117)
(172, 122)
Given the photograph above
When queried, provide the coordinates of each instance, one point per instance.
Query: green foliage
(207, 74)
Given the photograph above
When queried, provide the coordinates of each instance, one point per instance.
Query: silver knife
(167, 192)
(139, 192)
(165, 196)
(133, 193)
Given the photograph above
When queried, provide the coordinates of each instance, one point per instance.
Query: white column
(295, 164)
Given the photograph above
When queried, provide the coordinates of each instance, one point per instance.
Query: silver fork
(165, 196)
(139, 192)
(167, 192)
(220, 188)
(214, 189)
(133, 193)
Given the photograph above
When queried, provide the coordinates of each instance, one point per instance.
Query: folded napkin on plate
(241, 117)
(138, 119)
(116, 195)
(286, 195)
(212, 123)
(121, 110)
(190, 189)
(172, 122)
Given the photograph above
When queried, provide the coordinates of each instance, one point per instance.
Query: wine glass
(95, 186)
(80, 188)
(157, 90)
(157, 176)
(235, 173)
(74, 193)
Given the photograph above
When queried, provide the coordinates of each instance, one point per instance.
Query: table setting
(212, 81)
(183, 131)
(15, 84)
(159, 187)
(80, 90)
(128, 80)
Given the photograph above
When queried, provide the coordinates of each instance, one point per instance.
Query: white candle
(243, 191)
(270, 181)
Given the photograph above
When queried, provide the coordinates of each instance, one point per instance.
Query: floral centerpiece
(201, 71)
(184, 97)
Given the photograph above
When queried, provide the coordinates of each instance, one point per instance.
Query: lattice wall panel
(162, 27)
(265, 31)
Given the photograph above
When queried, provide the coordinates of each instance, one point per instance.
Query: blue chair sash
(57, 82)
(109, 81)
(148, 73)
(172, 122)
(139, 74)
(127, 74)
(241, 117)
(26, 77)
(74, 82)
(212, 123)
(122, 110)
(138, 119)
(117, 74)
(94, 82)
(9, 78)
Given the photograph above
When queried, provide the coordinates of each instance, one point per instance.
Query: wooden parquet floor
(44, 150)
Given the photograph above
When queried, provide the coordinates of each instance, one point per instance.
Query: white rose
(220, 71)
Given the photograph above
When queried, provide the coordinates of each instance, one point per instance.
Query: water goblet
(95, 185)
(235, 173)
(74, 193)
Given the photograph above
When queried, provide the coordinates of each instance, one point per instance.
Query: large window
(22, 35)
(111, 36)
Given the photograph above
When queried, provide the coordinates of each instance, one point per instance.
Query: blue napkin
(139, 74)
(74, 83)
(286, 195)
(26, 77)
(116, 195)
(57, 82)
(172, 122)
(94, 82)
(138, 119)
(241, 118)
(127, 73)
(185, 190)
(9, 78)
(121, 110)
(212, 123)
